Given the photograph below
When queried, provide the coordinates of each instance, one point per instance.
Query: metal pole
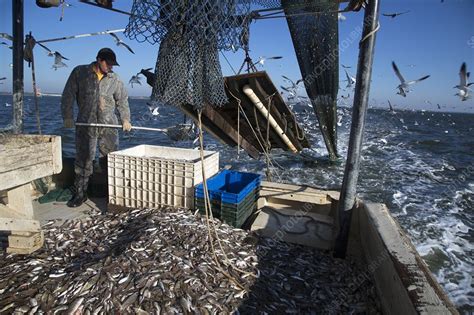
(18, 88)
(120, 127)
(364, 72)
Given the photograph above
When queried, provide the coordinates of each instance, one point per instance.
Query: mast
(361, 97)
(18, 86)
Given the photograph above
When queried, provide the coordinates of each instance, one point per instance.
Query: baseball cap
(108, 55)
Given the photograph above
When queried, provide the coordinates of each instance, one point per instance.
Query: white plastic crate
(149, 176)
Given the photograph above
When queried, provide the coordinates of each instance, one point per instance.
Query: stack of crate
(233, 196)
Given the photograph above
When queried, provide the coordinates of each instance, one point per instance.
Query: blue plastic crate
(229, 186)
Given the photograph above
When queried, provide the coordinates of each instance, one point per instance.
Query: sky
(435, 37)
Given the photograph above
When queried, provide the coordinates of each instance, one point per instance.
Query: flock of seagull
(58, 57)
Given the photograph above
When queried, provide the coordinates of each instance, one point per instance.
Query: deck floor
(61, 212)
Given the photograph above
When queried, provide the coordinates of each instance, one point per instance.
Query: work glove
(126, 125)
(68, 123)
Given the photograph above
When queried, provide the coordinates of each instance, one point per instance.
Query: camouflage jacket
(96, 100)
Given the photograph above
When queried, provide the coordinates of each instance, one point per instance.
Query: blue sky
(436, 37)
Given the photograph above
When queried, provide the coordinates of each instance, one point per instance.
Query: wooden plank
(25, 175)
(32, 240)
(19, 200)
(17, 158)
(221, 122)
(275, 112)
(21, 245)
(320, 199)
(57, 154)
(296, 188)
(318, 232)
(15, 224)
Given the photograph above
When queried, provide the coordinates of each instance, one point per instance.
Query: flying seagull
(404, 85)
(392, 15)
(1, 79)
(347, 67)
(58, 58)
(58, 61)
(350, 80)
(119, 42)
(3, 43)
(463, 86)
(262, 60)
(293, 84)
(135, 79)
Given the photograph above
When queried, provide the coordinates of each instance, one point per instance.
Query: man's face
(104, 66)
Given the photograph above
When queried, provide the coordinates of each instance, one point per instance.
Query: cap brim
(112, 62)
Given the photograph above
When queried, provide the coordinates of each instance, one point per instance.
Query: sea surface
(420, 164)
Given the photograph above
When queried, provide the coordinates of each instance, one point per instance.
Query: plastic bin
(234, 214)
(229, 186)
(149, 176)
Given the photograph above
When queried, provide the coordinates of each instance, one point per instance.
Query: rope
(208, 209)
(370, 34)
(35, 92)
(30, 43)
(239, 101)
(269, 106)
(228, 62)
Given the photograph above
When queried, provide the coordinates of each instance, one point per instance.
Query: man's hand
(126, 125)
(68, 123)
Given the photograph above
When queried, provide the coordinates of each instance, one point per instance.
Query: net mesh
(190, 34)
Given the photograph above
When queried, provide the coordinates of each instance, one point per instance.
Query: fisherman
(99, 92)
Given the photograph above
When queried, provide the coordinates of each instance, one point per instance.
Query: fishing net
(191, 33)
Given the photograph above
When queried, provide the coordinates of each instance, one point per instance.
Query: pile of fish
(162, 262)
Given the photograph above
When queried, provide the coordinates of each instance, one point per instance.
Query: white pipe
(254, 98)
(119, 126)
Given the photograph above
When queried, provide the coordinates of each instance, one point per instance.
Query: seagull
(119, 42)
(135, 79)
(392, 15)
(3, 43)
(347, 67)
(293, 89)
(341, 17)
(350, 80)
(404, 85)
(345, 97)
(1, 79)
(262, 60)
(293, 84)
(289, 91)
(58, 60)
(439, 107)
(153, 108)
(463, 86)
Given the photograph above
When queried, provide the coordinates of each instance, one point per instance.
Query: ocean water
(420, 164)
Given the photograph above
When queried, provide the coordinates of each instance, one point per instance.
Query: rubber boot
(80, 192)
